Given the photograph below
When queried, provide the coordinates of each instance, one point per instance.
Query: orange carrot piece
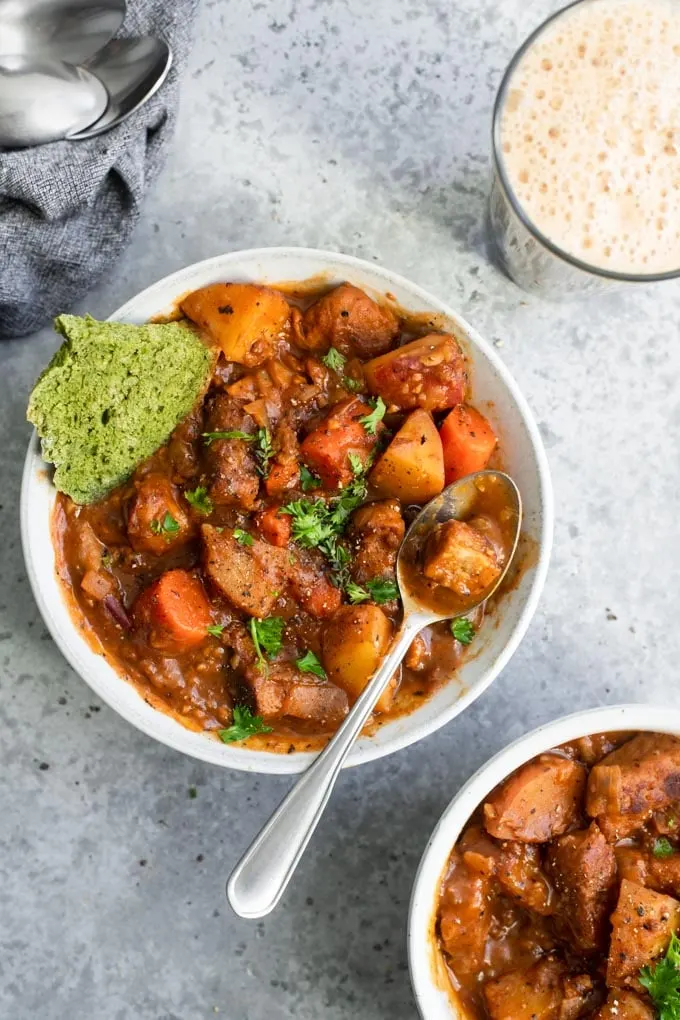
(175, 609)
(274, 526)
(468, 441)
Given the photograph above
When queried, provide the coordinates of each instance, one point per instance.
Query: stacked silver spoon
(64, 76)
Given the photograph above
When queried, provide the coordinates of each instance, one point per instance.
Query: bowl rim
(263, 762)
(422, 906)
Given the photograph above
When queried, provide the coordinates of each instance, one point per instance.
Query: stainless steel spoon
(132, 71)
(69, 30)
(40, 101)
(262, 874)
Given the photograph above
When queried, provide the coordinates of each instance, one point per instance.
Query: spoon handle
(261, 876)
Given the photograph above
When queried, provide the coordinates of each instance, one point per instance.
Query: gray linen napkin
(68, 209)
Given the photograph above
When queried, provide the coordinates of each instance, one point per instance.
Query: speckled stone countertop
(362, 128)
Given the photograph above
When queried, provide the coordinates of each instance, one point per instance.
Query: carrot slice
(175, 609)
(468, 441)
(274, 527)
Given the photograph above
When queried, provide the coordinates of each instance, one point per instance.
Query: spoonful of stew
(454, 556)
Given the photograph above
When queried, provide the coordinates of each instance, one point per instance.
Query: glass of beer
(586, 150)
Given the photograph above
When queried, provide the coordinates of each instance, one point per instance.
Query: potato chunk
(642, 925)
(412, 467)
(533, 994)
(461, 558)
(244, 319)
(350, 321)
(622, 1005)
(542, 799)
(354, 643)
(582, 866)
(429, 373)
(250, 577)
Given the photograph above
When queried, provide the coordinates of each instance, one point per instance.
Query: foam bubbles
(597, 99)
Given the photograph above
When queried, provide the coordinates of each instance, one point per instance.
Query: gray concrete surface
(362, 128)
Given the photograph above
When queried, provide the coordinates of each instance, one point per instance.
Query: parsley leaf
(662, 848)
(308, 480)
(318, 524)
(242, 537)
(210, 437)
(379, 590)
(264, 451)
(370, 421)
(166, 526)
(353, 385)
(245, 725)
(382, 590)
(662, 981)
(334, 360)
(200, 500)
(462, 630)
(308, 663)
(215, 629)
(267, 637)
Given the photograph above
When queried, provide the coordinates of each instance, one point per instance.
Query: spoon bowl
(132, 70)
(261, 876)
(68, 30)
(42, 100)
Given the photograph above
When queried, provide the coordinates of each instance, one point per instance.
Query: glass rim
(499, 167)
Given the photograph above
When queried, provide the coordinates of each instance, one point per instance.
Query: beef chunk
(250, 577)
(642, 925)
(231, 467)
(157, 521)
(582, 866)
(542, 799)
(284, 691)
(350, 321)
(521, 876)
(641, 776)
(375, 533)
(462, 559)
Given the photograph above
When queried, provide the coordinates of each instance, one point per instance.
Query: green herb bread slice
(111, 395)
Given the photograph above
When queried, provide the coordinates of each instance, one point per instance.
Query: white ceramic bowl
(524, 457)
(435, 998)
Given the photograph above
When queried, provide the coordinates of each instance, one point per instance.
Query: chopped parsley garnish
(210, 437)
(462, 630)
(662, 848)
(353, 385)
(379, 590)
(166, 526)
(267, 637)
(308, 480)
(107, 561)
(318, 524)
(245, 725)
(355, 463)
(215, 629)
(334, 360)
(192, 793)
(370, 421)
(308, 663)
(242, 537)
(662, 981)
(200, 500)
(264, 451)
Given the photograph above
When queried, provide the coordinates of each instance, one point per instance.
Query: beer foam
(590, 134)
